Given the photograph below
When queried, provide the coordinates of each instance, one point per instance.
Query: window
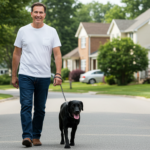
(6, 71)
(83, 64)
(98, 72)
(131, 35)
(1, 71)
(83, 42)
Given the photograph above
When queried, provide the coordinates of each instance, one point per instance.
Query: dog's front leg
(73, 135)
(66, 138)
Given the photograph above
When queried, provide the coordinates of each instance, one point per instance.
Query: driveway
(107, 123)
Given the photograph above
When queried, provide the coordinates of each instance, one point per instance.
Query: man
(33, 47)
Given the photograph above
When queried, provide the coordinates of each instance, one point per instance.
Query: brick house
(90, 37)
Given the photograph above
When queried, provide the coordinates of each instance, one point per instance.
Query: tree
(122, 58)
(13, 12)
(13, 15)
(83, 14)
(98, 11)
(116, 12)
(60, 15)
(6, 50)
(136, 7)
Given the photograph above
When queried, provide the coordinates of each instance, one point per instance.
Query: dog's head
(74, 108)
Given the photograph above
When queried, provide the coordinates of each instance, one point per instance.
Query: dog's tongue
(76, 116)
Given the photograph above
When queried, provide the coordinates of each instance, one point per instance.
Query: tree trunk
(70, 84)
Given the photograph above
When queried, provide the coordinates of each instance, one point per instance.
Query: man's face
(38, 14)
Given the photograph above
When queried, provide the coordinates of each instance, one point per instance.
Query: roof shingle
(96, 28)
(124, 24)
(73, 54)
(140, 20)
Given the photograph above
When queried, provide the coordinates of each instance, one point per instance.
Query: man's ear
(81, 105)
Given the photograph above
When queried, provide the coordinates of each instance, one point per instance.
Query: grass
(142, 90)
(6, 87)
(3, 96)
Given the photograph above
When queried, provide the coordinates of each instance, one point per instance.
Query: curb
(95, 93)
(136, 97)
(9, 99)
(90, 92)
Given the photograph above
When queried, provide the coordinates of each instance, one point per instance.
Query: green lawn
(5, 87)
(3, 96)
(142, 90)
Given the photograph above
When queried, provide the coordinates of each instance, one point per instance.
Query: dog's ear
(81, 105)
(69, 104)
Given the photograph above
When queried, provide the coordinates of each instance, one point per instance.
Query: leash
(63, 94)
(61, 89)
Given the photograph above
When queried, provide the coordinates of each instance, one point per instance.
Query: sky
(118, 2)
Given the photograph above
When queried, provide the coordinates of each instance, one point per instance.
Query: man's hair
(38, 4)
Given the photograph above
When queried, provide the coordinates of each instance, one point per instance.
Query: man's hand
(57, 81)
(15, 82)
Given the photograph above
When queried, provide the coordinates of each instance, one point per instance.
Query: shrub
(110, 79)
(75, 75)
(52, 79)
(5, 79)
(121, 58)
(129, 78)
(65, 73)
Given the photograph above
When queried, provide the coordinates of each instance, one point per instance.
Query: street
(107, 123)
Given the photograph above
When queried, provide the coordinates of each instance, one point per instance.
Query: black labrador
(69, 117)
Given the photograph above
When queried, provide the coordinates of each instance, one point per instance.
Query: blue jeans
(28, 86)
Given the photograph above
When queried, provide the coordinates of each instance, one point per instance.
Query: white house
(138, 30)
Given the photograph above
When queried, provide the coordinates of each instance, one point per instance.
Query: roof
(124, 24)
(96, 28)
(140, 21)
(73, 54)
(94, 54)
(131, 25)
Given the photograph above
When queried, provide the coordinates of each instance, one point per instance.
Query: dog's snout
(77, 110)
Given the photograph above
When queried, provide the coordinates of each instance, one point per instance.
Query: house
(3, 69)
(138, 30)
(90, 37)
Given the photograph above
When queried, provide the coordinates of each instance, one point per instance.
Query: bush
(65, 73)
(110, 79)
(128, 78)
(5, 79)
(121, 58)
(52, 79)
(75, 75)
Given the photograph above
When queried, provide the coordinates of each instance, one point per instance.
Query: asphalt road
(107, 123)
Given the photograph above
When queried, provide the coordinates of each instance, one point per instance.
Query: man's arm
(58, 62)
(15, 64)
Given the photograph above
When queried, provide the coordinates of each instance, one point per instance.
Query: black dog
(69, 117)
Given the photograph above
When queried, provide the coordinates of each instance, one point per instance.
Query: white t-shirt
(37, 45)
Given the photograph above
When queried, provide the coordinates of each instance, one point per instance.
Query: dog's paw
(67, 146)
(72, 144)
(62, 142)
